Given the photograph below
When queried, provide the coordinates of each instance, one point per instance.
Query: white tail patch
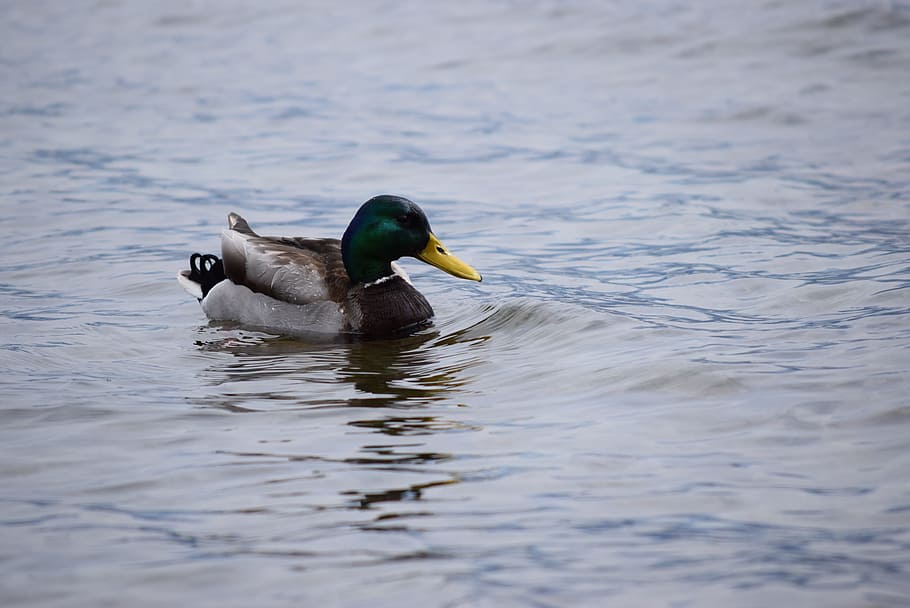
(192, 287)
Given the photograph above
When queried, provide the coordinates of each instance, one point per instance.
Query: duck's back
(293, 270)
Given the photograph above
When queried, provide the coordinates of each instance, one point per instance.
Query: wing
(295, 270)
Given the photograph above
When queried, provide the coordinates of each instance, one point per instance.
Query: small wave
(526, 320)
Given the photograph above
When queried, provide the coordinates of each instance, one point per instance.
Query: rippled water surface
(683, 381)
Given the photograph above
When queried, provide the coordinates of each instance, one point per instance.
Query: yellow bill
(435, 254)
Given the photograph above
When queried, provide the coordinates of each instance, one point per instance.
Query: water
(683, 381)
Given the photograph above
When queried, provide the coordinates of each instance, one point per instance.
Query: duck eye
(405, 220)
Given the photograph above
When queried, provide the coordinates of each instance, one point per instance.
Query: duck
(299, 285)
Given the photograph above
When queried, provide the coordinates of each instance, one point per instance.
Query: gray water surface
(683, 381)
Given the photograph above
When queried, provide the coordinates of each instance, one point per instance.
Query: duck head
(386, 228)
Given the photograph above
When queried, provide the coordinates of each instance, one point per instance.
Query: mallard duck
(296, 285)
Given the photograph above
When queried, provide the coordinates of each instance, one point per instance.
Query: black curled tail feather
(207, 270)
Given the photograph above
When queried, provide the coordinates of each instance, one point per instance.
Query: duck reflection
(369, 500)
(397, 389)
(406, 372)
(412, 425)
(401, 373)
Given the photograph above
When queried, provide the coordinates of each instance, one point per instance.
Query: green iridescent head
(386, 228)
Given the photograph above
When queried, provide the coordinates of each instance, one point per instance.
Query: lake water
(683, 382)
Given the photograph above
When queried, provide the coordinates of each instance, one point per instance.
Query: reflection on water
(411, 373)
(411, 493)
(412, 425)
(401, 373)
